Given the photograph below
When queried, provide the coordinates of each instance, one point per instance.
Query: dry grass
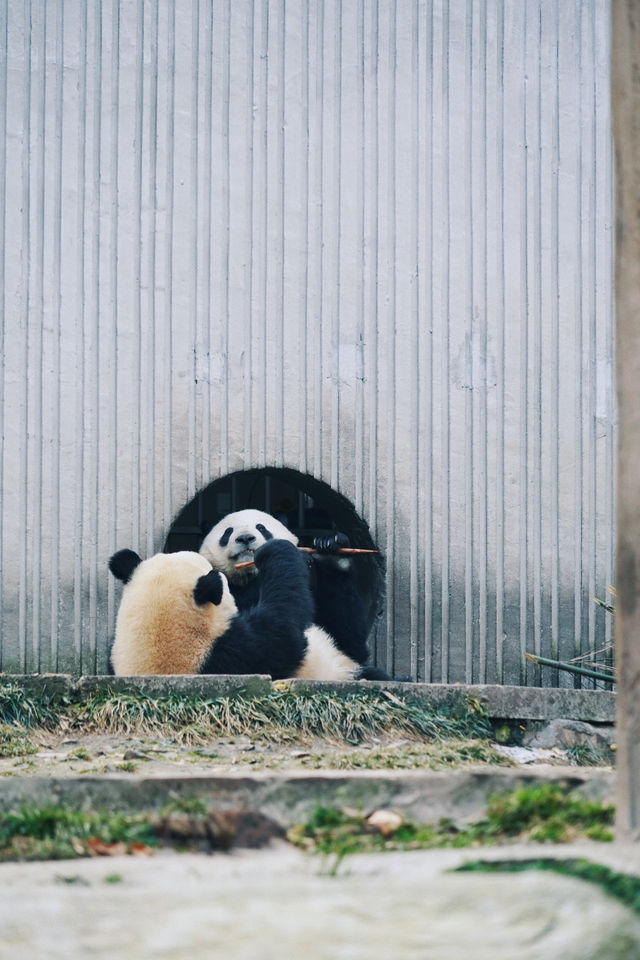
(279, 717)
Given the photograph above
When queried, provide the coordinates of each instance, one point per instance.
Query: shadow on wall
(307, 506)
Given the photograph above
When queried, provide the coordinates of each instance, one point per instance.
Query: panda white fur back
(160, 629)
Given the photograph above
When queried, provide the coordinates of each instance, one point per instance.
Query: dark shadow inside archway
(307, 506)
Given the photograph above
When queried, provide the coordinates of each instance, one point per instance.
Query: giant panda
(337, 605)
(177, 615)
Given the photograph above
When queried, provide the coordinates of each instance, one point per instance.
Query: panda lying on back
(337, 604)
(177, 615)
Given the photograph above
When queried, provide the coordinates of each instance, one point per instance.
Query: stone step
(290, 798)
(499, 702)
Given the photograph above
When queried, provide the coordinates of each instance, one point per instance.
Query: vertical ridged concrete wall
(371, 241)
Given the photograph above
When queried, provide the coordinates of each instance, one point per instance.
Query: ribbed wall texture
(371, 241)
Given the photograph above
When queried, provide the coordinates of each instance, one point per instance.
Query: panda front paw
(326, 550)
(331, 545)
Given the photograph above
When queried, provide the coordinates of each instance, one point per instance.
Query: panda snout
(246, 539)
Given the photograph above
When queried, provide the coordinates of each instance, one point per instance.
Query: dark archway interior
(307, 506)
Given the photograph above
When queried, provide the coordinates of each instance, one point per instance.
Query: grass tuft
(547, 813)
(280, 716)
(18, 707)
(585, 755)
(435, 755)
(544, 813)
(55, 833)
(14, 742)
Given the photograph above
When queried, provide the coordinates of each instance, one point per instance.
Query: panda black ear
(208, 589)
(123, 563)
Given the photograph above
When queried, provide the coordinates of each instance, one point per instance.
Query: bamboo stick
(342, 550)
(572, 668)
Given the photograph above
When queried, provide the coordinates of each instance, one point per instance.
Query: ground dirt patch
(46, 753)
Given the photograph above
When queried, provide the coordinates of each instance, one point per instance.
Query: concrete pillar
(625, 65)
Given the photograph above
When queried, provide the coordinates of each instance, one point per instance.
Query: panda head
(173, 609)
(236, 537)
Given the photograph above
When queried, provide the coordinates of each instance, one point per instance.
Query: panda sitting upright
(178, 616)
(337, 604)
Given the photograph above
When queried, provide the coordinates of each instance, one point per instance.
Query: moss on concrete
(540, 812)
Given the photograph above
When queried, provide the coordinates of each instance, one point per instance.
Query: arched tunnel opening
(307, 506)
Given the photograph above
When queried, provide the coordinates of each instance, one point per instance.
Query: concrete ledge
(500, 702)
(54, 685)
(424, 796)
(61, 685)
(186, 686)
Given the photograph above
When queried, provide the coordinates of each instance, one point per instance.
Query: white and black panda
(337, 606)
(178, 616)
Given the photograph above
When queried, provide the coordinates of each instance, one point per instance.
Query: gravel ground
(60, 755)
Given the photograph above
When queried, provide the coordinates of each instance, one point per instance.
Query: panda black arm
(284, 585)
(269, 638)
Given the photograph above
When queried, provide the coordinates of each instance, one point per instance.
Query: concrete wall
(370, 241)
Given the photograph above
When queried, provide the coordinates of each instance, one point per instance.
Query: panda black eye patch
(226, 536)
(263, 530)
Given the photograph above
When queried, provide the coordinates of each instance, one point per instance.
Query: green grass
(624, 887)
(193, 806)
(14, 742)
(546, 813)
(56, 833)
(584, 755)
(436, 755)
(333, 832)
(541, 813)
(280, 716)
(19, 707)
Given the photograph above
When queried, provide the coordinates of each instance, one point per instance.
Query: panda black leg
(372, 673)
(338, 609)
